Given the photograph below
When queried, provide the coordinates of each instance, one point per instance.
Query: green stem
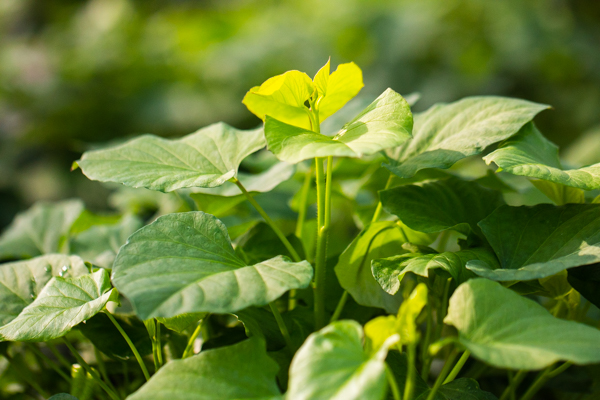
(48, 361)
(321, 256)
(131, 345)
(269, 221)
(442, 376)
(409, 387)
(542, 378)
(379, 205)
(282, 327)
(25, 374)
(102, 369)
(444, 309)
(393, 384)
(302, 207)
(189, 349)
(58, 356)
(158, 345)
(90, 370)
(513, 385)
(455, 371)
(425, 356)
(340, 307)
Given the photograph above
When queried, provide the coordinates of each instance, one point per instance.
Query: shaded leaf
(586, 280)
(206, 158)
(22, 281)
(535, 242)
(530, 154)
(260, 243)
(447, 133)
(62, 304)
(387, 122)
(507, 330)
(184, 263)
(239, 372)
(460, 389)
(558, 193)
(62, 396)
(180, 323)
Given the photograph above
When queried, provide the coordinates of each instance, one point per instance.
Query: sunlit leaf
(409, 311)
(530, 154)
(447, 133)
(21, 282)
(239, 372)
(206, 158)
(62, 304)
(507, 330)
(535, 242)
(335, 90)
(386, 123)
(184, 263)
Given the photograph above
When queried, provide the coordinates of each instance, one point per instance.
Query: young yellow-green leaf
(530, 154)
(378, 330)
(239, 372)
(390, 271)
(385, 123)
(506, 330)
(447, 133)
(184, 263)
(206, 158)
(535, 242)
(409, 311)
(335, 90)
(22, 281)
(282, 97)
(559, 193)
(62, 304)
(332, 365)
(437, 206)
(39, 230)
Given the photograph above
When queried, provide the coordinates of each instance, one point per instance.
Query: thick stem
(136, 353)
(321, 256)
(442, 376)
(282, 327)
(513, 385)
(409, 388)
(302, 207)
(340, 307)
(456, 370)
(269, 221)
(393, 384)
(379, 205)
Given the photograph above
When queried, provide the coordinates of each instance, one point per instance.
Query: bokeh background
(75, 74)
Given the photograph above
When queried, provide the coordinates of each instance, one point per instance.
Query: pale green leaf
(181, 322)
(184, 263)
(409, 311)
(530, 154)
(206, 158)
(21, 282)
(337, 89)
(378, 330)
(437, 206)
(506, 330)
(447, 133)
(535, 242)
(282, 97)
(331, 365)
(39, 230)
(558, 193)
(239, 372)
(390, 271)
(62, 304)
(385, 123)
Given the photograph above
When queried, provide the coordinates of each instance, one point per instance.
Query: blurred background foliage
(74, 74)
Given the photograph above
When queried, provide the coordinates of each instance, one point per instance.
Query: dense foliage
(380, 259)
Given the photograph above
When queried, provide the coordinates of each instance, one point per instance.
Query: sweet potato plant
(375, 258)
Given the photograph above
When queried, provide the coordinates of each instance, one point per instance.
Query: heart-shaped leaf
(447, 133)
(332, 365)
(530, 154)
(21, 282)
(437, 206)
(506, 330)
(385, 123)
(62, 304)
(239, 372)
(184, 263)
(536, 242)
(206, 158)
(335, 90)
(39, 230)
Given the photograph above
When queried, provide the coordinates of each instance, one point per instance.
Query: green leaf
(261, 243)
(447, 133)
(335, 90)
(100, 243)
(530, 154)
(62, 304)
(385, 123)
(62, 396)
(507, 330)
(390, 271)
(558, 193)
(39, 230)
(206, 158)
(282, 97)
(586, 280)
(460, 389)
(184, 263)
(331, 365)
(22, 281)
(535, 242)
(437, 206)
(239, 372)
(180, 323)
(353, 270)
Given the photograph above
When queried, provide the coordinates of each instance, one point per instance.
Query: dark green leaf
(460, 389)
(586, 280)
